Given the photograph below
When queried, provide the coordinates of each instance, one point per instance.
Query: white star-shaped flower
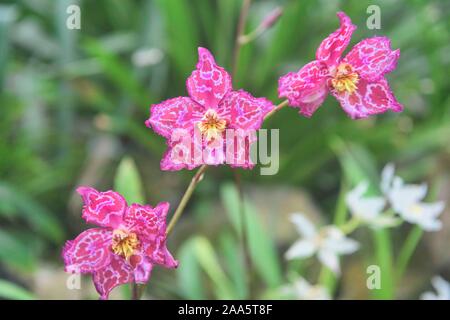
(303, 290)
(328, 243)
(368, 209)
(442, 288)
(406, 200)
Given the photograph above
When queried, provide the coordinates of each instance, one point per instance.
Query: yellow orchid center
(345, 79)
(211, 126)
(416, 209)
(124, 243)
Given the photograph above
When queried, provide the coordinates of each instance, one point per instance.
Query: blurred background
(73, 105)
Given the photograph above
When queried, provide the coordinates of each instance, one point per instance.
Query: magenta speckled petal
(142, 267)
(305, 89)
(176, 113)
(243, 111)
(150, 224)
(88, 252)
(209, 83)
(118, 272)
(104, 209)
(143, 219)
(370, 98)
(373, 57)
(157, 252)
(330, 50)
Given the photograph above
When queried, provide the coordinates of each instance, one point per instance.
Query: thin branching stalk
(185, 199)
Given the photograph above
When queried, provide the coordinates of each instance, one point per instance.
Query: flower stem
(185, 199)
(239, 33)
(350, 226)
(136, 291)
(407, 251)
(278, 107)
(383, 256)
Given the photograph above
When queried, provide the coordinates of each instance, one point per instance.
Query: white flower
(368, 209)
(303, 290)
(406, 200)
(328, 243)
(442, 288)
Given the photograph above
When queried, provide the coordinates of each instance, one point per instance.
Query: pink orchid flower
(356, 81)
(130, 241)
(211, 111)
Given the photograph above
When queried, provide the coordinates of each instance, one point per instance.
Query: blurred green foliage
(74, 102)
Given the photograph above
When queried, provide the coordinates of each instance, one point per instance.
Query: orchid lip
(124, 243)
(345, 79)
(211, 125)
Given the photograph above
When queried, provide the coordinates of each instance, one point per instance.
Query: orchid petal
(145, 220)
(176, 113)
(305, 89)
(118, 272)
(368, 99)
(209, 83)
(330, 50)
(88, 252)
(372, 58)
(104, 209)
(243, 111)
(303, 225)
(330, 260)
(300, 249)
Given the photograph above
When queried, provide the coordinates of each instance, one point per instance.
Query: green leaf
(16, 251)
(182, 32)
(234, 261)
(208, 260)
(189, 272)
(39, 217)
(117, 71)
(262, 249)
(12, 291)
(231, 201)
(261, 246)
(128, 182)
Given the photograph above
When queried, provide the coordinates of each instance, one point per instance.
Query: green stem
(350, 226)
(278, 107)
(383, 252)
(185, 199)
(136, 291)
(326, 276)
(240, 31)
(407, 251)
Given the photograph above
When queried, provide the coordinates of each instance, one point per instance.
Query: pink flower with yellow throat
(357, 81)
(212, 110)
(130, 241)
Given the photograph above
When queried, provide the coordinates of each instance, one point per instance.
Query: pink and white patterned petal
(157, 252)
(370, 98)
(145, 220)
(104, 209)
(372, 58)
(238, 148)
(330, 50)
(176, 113)
(243, 111)
(142, 267)
(118, 272)
(209, 83)
(305, 89)
(184, 151)
(88, 252)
